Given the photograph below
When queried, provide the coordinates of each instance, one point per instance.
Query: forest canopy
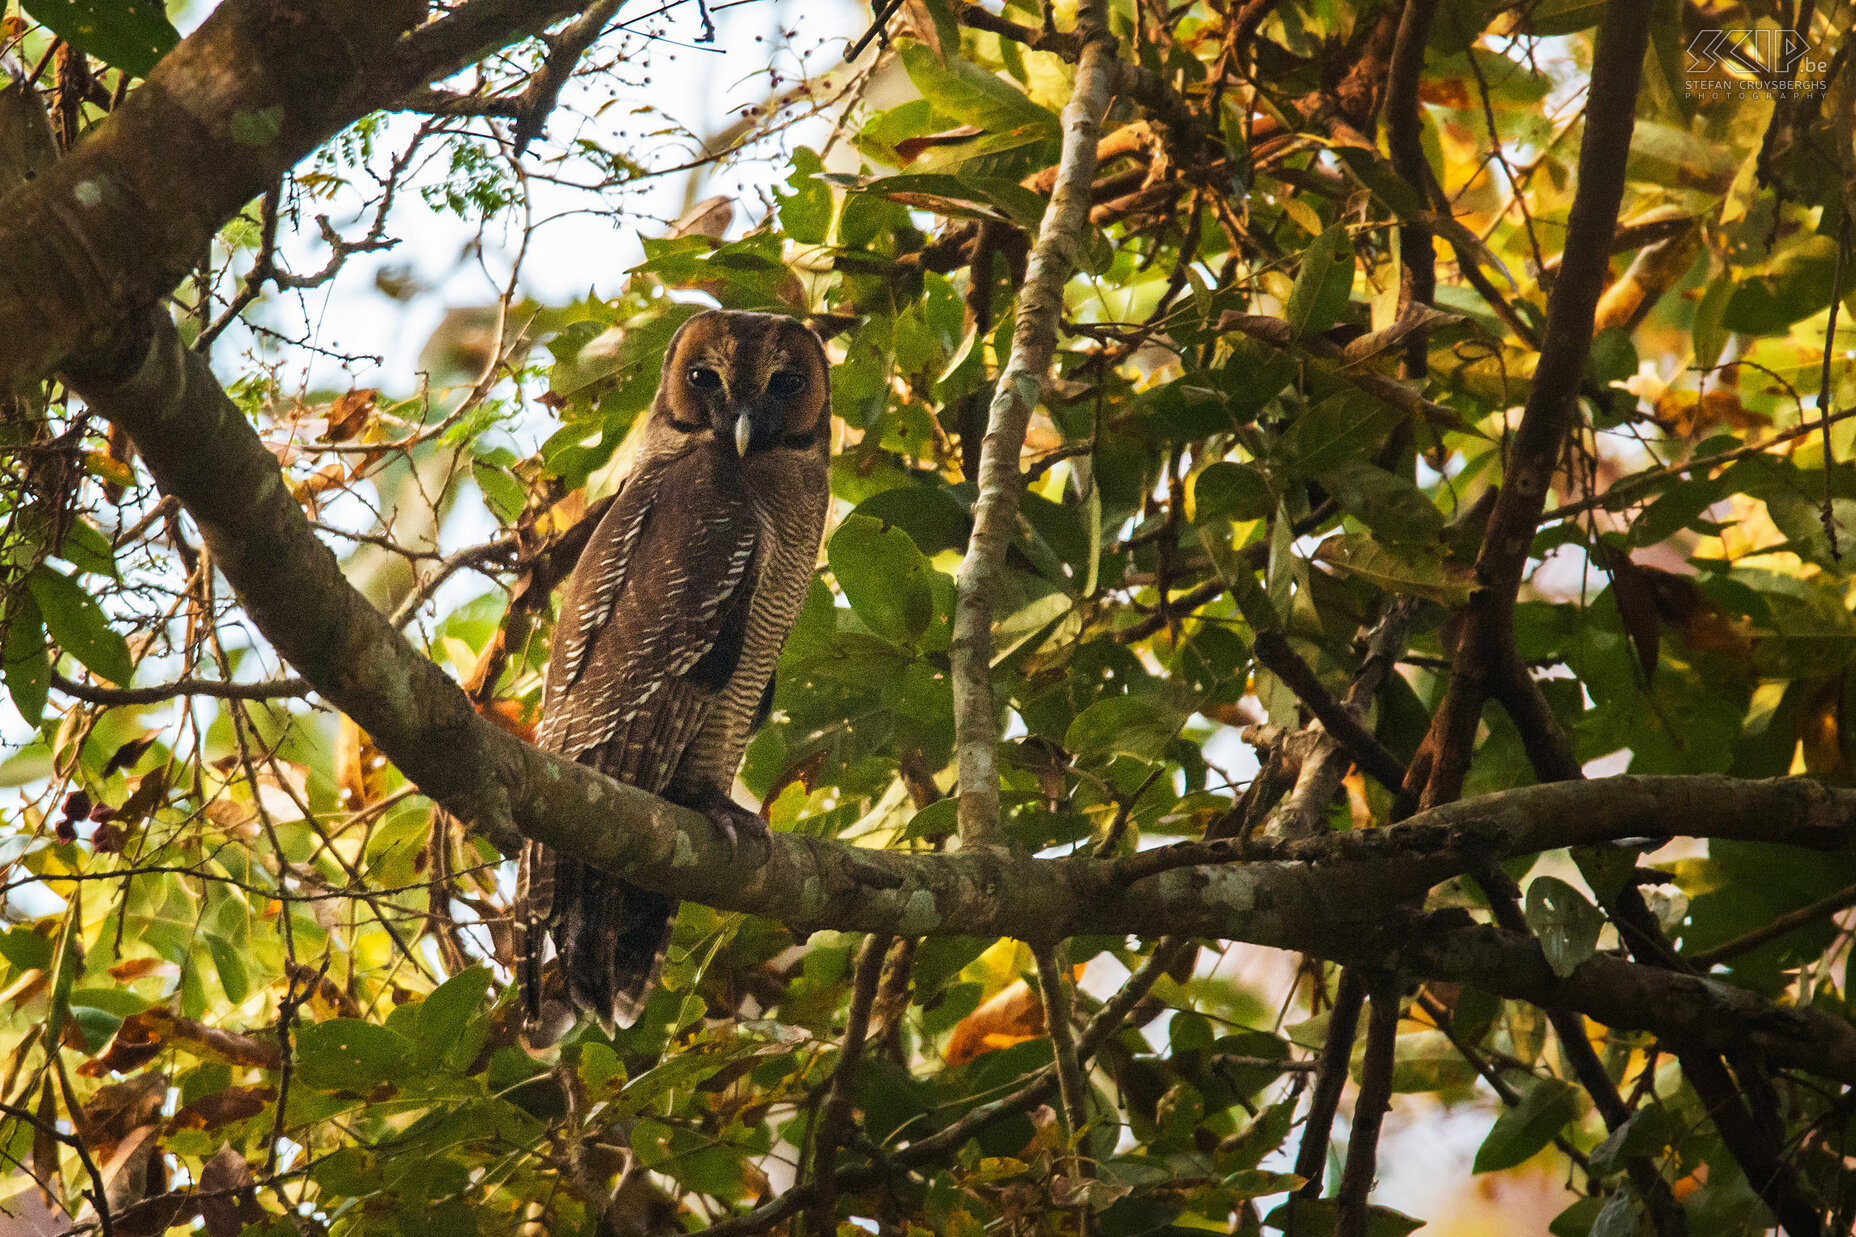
(1335, 626)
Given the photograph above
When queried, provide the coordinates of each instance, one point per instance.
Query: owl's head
(757, 382)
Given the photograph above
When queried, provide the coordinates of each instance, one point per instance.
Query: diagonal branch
(1552, 403)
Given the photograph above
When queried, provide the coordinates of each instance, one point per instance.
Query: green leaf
(28, 663)
(1344, 427)
(1022, 607)
(119, 1001)
(1252, 602)
(962, 91)
(87, 549)
(1136, 725)
(229, 961)
(1324, 284)
(350, 1171)
(1228, 491)
(1319, 1217)
(805, 213)
(445, 1028)
(96, 1025)
(1183, 411)
(1401, 570)
(933, 518)
(1392, 506)
(349, 1054)
(1710, 336)
(934, 822)
(887, 580)
(963, 196)
(76, 622)
(1646, 1133)
(1613, 357)
(1255, 1183)
(26, 949)
(502, 492)
(1523, 1130)
(1795, 284)
(1619, 1218)
(443, 1014)
(130, 35)
(1577, 1220)
(1566, 923)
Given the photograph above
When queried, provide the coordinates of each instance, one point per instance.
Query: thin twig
(1055, 991)
(1828, 513)
(1324, 1099)
(99, 1197)
(275, 689)
(837, 1114)
(1273, 653)
(1369, 1108)
(1791, 921)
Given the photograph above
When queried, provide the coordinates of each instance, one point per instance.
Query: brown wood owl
(672, 621)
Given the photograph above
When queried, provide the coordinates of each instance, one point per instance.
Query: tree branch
(114, 225)
(1054, 988)
(276, 689)
(1311, 1158)
(1273, 653)
(1305, 813)
(1369, 1108)
(820, 1217)
(1552, 401)
(995, 515)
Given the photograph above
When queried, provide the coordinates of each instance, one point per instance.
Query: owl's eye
(786, 383)
(705, 379)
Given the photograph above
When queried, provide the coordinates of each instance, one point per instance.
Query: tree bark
(995, 515)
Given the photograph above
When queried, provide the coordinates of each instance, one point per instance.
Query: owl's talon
(737, 822)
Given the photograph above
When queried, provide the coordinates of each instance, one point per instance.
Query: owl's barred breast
(795, 514)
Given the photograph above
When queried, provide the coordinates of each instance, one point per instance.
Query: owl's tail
(610, 936)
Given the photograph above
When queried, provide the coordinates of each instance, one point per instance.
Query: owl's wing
(653, 619)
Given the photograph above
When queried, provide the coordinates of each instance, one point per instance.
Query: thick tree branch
(995, 515)
(118, 222)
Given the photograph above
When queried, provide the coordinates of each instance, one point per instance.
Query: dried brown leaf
(350, 413)
(1012, 1016)
(228, 1214)
(209, 1112)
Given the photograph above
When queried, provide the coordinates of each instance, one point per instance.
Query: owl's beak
(744, 432)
